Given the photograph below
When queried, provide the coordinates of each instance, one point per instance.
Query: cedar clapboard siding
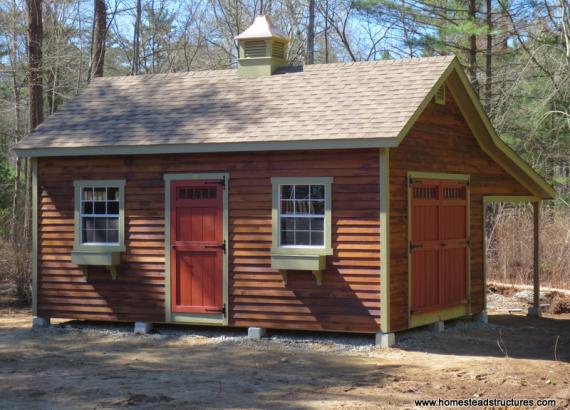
(348, 300)
(440, 141)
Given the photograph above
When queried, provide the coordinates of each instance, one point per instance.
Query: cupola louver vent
(278, 49)
(255, 49)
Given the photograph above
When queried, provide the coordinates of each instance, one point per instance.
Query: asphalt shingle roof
(315, 102)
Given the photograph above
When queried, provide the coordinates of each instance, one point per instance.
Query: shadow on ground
(515, 336)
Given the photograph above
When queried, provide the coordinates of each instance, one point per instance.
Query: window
(301, 215)
(99, 214)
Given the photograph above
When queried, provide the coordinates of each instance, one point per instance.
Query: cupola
(262, 49)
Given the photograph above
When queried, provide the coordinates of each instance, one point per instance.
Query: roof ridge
(311, 67)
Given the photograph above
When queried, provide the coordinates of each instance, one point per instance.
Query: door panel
(196, 247)
(426, 279)
(453, 276)
(438, 244)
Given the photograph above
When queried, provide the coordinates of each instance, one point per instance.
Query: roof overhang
(348, 143)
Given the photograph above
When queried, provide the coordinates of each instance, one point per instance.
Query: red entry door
(439, 244)
(197, 247)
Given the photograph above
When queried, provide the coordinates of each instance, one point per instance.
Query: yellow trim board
(34, 236)
(423, 319)
(414, 175)
(506, 198)
(196, 318)
(384, 178)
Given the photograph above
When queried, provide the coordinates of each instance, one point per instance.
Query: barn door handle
(220, 246)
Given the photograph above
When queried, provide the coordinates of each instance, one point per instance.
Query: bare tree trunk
(311, 34)
(99, 37)
(489, 57)
(472, 54)
(17, 116)
(566, 28)
(326, 31)
(136, 39)
(35, 37)
(504, 24)
(28, 204)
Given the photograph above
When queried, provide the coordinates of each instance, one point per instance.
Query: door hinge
(220, 246)
(222, 310)
(221, 182)
(412, 246)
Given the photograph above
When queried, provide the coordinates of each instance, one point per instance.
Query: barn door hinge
(222, 310)
(221, 182)
(220, 246)
(413, 246)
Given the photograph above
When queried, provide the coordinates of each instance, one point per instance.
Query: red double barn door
(439, 244)
(197, 247)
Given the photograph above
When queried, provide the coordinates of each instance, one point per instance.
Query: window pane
(287, 191)
(317, 239)
(100, 194)
(87, 207)
(318, 207)
(112, 194)
(317, 224)
(100, 236)
(112, 208)
(287, 207)
(87, 235)
(317, 192)
(287, 238)
(88, 223)
(301, 191)
(302, 238)
(302, 224)
(112, 223)
(287, 224)
(302, 207)
(113, 236)
(101, 223)
(100, 208)
(88, 194)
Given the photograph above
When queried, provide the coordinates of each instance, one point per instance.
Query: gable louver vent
(440, 95)
(254, 49)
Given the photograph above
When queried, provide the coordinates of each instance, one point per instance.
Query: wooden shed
(340, 197)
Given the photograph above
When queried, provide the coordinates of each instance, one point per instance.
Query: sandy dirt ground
(86, 365)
